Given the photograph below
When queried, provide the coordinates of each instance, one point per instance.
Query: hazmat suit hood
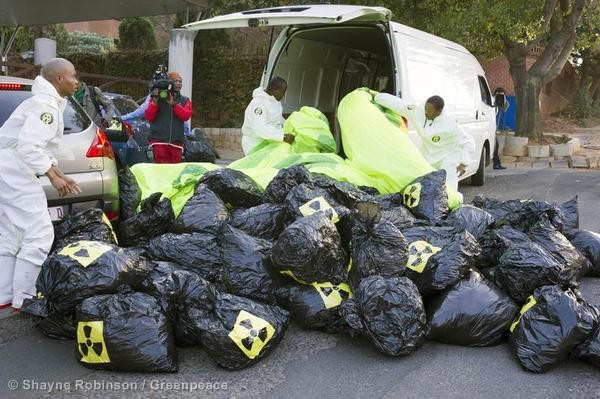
(42, 86)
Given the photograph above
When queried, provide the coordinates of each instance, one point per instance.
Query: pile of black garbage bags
(239, 263)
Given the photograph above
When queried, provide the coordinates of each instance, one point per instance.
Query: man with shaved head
(29, 141)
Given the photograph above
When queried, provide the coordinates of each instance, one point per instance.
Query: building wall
(109, 27)
(555, 95)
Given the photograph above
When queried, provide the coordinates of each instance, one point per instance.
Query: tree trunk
(529, 121)
(527, 90)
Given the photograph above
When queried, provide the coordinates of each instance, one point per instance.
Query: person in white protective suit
(263, 119)
(29, 141)
(445, 145)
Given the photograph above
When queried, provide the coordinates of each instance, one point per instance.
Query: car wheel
(478, 179)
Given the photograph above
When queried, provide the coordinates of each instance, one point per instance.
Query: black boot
(499, 166)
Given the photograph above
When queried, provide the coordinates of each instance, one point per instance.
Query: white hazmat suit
(29, 141)
(263, 120)
(445, 145)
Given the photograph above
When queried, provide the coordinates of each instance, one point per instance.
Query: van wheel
(478, 179)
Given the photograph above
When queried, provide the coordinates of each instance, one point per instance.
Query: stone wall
(225, 139)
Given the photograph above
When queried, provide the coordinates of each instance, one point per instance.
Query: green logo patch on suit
(46, 118)
(258, 111)
(436, 138)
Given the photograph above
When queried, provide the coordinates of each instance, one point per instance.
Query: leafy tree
(136, 33)
(27, 34)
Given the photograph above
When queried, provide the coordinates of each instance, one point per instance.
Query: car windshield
(74, 117)
(125, 105)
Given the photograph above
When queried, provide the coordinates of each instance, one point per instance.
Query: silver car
(84, 154)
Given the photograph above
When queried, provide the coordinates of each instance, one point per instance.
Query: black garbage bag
(389, 201)
(573, 262)
(427, 197)
(550, 325)
(91, 224)
(520, 214)
(389, 312)
(87, 268)
(525, 266)
(378, 248)
(130, 194)
(310, 249)
(401, 217)
(570, 211)
(247, 269)
(588, 244)
(177, 291)
(344, 193)
(197, 148)
(265, 221)
(234, 187)
(239, 332)
(304, 200)
(203, 212)
(195, 252)
(315, 306)
(155, 218)
(438, 257)
(472, 219)
(285, 180)
(495, 242)
(474, 312)
(589, 350)
(125, 332)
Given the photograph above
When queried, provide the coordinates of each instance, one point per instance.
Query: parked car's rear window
(75, 119)
(125, 105)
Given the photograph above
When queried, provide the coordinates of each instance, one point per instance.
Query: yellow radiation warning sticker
(319, 204)
(528, 305)
(105, 220)
(251, 333)
(412, 195)
(419, 253)
(85, 252)
(90, 342)
(333, 295)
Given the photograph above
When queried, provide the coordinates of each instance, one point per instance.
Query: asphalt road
(312, 364)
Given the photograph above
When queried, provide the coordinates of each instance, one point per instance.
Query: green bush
(86, 42)
(136, 33)
(581, 107)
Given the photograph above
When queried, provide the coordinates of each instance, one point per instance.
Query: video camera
(162, 82)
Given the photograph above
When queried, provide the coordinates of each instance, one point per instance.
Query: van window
(486, 97)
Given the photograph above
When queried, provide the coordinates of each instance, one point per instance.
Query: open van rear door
(295, 15)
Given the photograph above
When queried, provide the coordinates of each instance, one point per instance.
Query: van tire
(478, 179)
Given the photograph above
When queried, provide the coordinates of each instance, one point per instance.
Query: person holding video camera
(167, 111)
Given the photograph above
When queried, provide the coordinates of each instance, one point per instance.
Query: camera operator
(167, 111)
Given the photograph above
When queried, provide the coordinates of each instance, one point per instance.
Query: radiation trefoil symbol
(319, 204)
(107, 222)
(419, 253)
(528, 305)
(251, 333)
(333, 295)
(412, 195)
(85, 252)
(90, 342)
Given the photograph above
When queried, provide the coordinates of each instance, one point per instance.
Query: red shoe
(6, 305)
(15, 310)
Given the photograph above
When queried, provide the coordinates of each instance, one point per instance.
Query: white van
(326, 51)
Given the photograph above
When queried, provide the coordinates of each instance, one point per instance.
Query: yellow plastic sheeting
(378, 148)
(175, 181)
(265, 155)
(311, 130)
